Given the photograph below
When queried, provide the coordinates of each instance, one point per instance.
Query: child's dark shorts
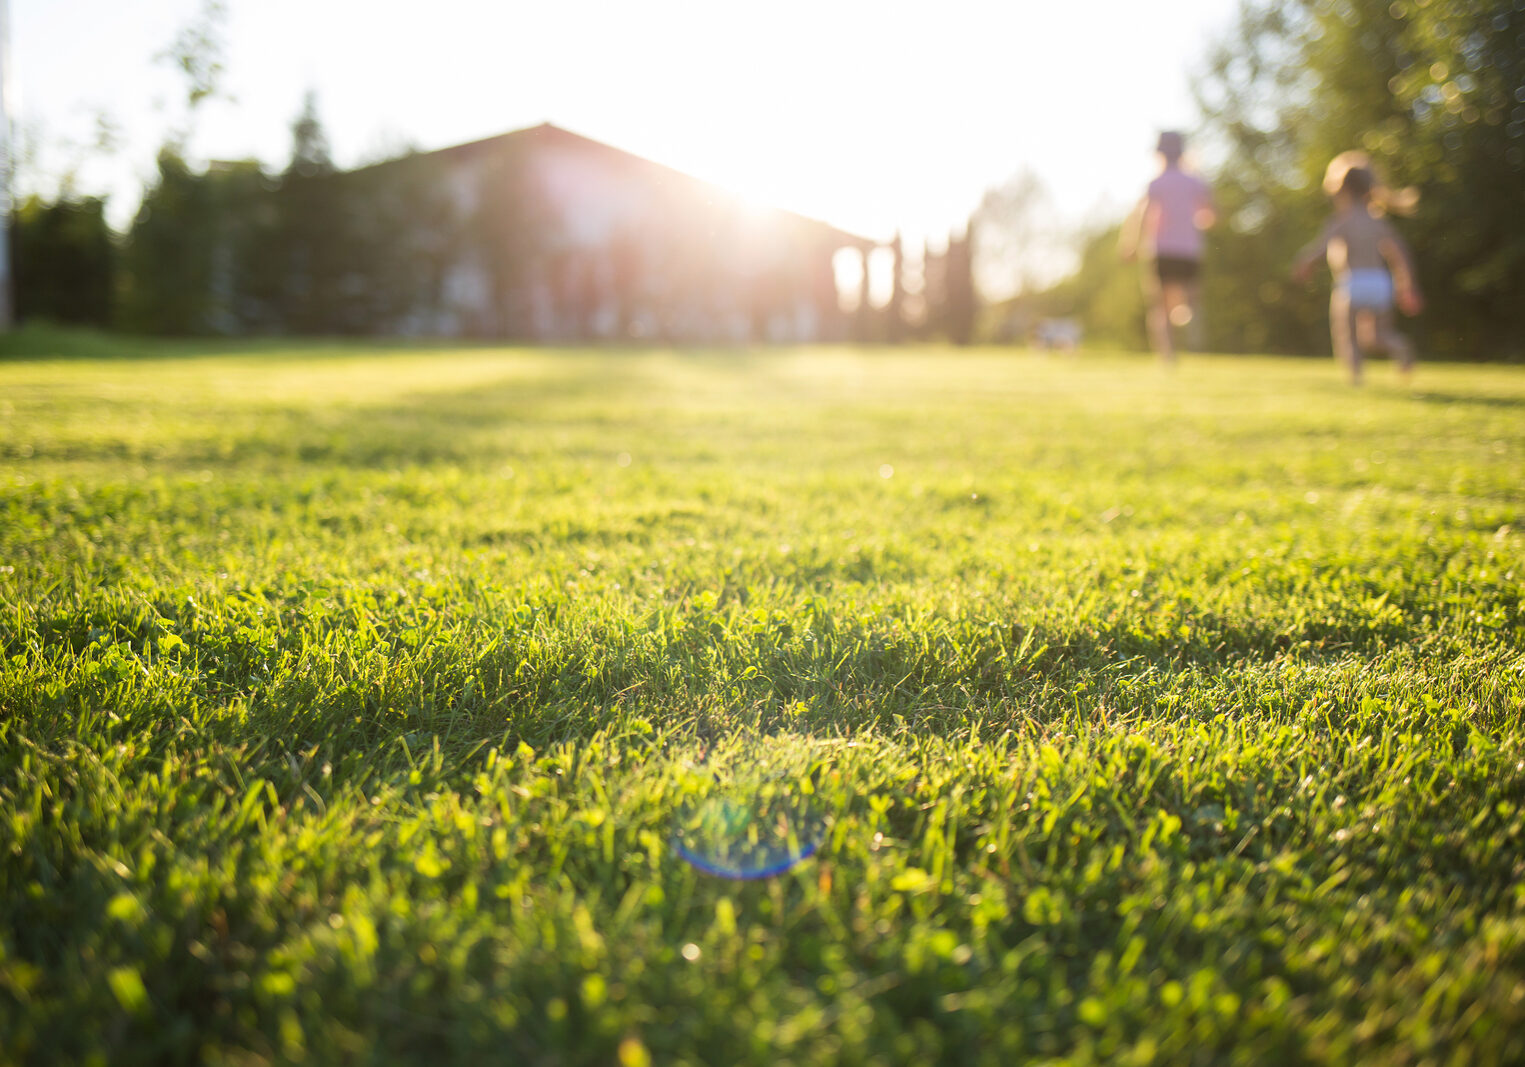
(1176, 270)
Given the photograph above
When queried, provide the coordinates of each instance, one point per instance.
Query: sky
(873, 115)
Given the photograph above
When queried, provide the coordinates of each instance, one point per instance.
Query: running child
(1166, 228)
(1373, 270)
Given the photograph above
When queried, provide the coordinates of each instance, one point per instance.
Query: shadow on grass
(1428, 396)
(474, 423)
(550, 683)
(43, 341)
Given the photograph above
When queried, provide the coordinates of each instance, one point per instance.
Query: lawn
(392, 705)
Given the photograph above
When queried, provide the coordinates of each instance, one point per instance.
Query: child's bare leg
(1341, 335)
(1366, 330)
(1177, 312)
(1155, 297)
(1397, 345)
(1195, 330)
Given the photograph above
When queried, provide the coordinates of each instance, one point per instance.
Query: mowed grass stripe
(350, 697)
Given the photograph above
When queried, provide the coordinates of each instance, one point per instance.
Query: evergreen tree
(960, 302)
(894, 312)
(310, 155)
(312, 230)
(933, 291)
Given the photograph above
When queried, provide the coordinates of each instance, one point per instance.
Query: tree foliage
(167, 259)
(1104, 292)
(234, 249)
(952, 301)
(197, 54)
(1017, 247)
(65, 261)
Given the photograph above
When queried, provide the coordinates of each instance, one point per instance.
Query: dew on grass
(753, 810)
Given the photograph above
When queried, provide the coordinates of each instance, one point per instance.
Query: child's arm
(1312, 252)
(1400, 264)
(1132, 233)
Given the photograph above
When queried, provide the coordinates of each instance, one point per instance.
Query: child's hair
(1354, 174)
(1358, 183)
(1171, 145)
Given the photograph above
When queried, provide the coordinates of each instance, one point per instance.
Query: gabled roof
(551, 135)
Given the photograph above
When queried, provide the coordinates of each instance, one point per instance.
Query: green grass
(350, 699)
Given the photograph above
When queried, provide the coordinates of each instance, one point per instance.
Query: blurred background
(736, 173)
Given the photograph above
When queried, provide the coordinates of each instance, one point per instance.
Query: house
(547, 235)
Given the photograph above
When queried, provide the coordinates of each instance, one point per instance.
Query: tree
(203, 253)
(895, 311)
(1017, 247)
(310, 155)
(168, 258)
(312, 228)
(65, 261)
(960, 301)
(197, 53)
(1103, 292)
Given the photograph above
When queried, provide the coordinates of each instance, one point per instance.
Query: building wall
(608, 246)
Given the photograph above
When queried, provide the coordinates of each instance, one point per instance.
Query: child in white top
(1372, 268)
(1167, 227)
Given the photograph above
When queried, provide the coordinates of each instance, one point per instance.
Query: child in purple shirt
(1167, 228)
